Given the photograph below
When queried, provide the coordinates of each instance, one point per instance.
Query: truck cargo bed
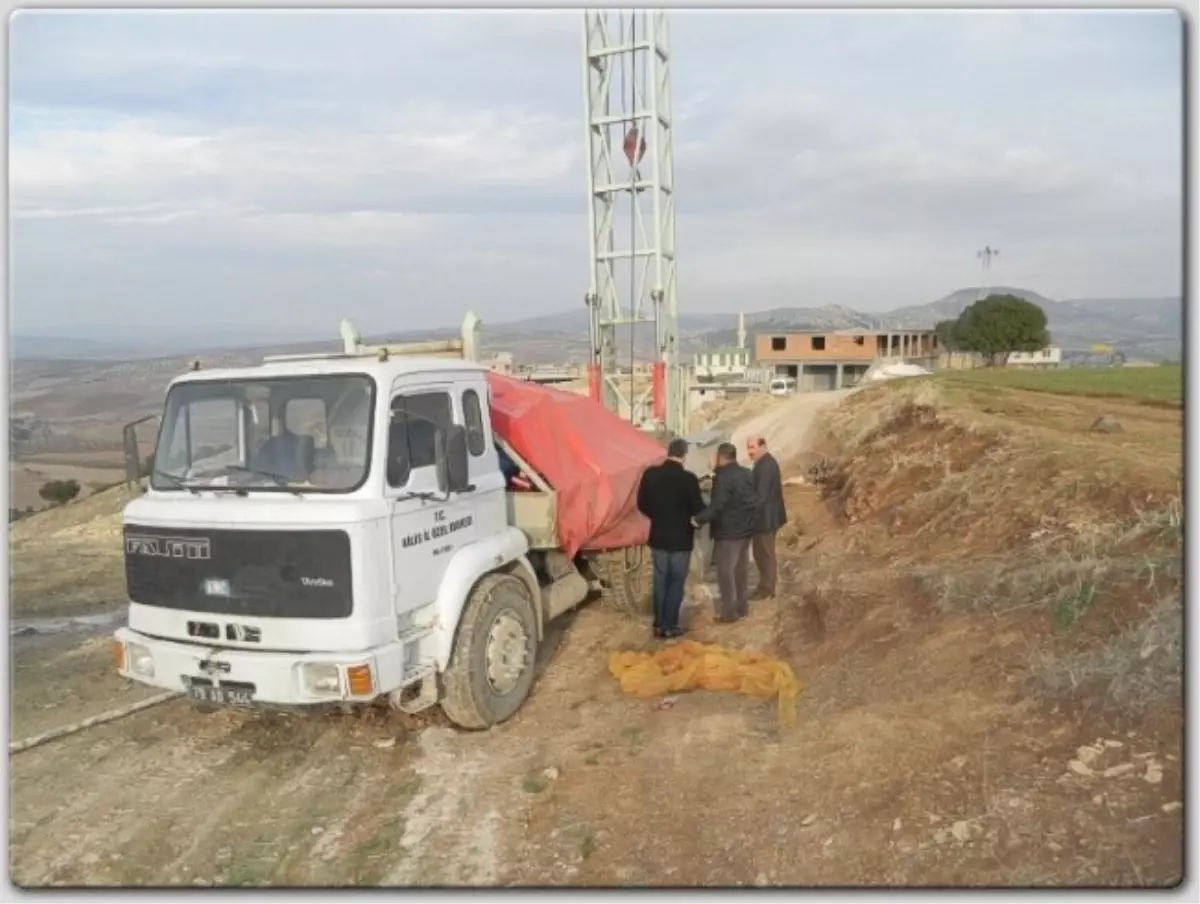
(536, 513)
(584, 461)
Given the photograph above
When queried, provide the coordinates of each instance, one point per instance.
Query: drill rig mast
(631, 214)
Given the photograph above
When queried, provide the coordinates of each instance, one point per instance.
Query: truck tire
(491, 667)
(625, 578)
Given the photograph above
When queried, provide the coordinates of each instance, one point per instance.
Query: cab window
(412, 433)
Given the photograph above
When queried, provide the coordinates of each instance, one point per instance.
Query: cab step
(419, 691)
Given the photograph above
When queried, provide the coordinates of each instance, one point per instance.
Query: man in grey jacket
(732, 511)
(772, 515)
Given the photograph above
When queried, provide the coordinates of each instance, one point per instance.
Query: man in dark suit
(669, 495)
(772, 515)
(733, 513)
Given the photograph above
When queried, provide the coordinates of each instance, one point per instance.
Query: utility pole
(631, 212)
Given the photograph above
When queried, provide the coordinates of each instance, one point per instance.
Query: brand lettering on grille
(195, 548)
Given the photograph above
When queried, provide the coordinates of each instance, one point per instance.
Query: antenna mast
(986, 255)
(631, 212)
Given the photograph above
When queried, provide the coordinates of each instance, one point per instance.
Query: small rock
(760, 879)
(1122, 769)
(317, 830)
(1106, 424)
(385, 743)
(1088, 755)
(1172, 806)
(1079, 767)
(941, 836)
(961, 830)
(1154, 773)
(1113, 744)
(808, 820)
(1098, 799)
(959, 761)
(1054, 846)
(551, 773)
(1014, 802)
(897, 825)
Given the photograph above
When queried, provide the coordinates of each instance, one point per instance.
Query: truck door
(426, 529)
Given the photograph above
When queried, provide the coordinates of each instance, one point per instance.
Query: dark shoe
(672, 633)
(759, 595)
(722, 620)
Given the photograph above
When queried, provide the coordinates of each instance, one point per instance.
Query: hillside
(71, 405)
(1142, 327)
(981, 597)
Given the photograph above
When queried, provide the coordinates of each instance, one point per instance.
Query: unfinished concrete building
(833, 359)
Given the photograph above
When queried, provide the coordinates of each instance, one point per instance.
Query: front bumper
(282, 679)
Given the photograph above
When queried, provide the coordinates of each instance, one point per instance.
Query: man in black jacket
(772, 515)
(733, 513)
(669, 495)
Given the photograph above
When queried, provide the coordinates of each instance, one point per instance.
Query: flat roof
(862, 332)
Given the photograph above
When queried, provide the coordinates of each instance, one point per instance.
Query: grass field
(1150, 385)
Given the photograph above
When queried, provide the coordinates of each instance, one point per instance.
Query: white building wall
(722, 362)
(1050, 356)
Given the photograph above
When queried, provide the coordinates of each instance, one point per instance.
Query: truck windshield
(310, 434)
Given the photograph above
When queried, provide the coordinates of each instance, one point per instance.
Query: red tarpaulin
(592, 459)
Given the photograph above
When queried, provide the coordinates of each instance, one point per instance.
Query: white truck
(336, 529)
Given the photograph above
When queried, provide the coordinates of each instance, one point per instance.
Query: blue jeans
(670, 574)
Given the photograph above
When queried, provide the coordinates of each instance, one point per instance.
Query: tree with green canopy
(999, 325)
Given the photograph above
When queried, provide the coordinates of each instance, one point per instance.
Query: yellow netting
(690, 665)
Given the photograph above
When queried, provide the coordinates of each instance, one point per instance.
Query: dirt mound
(967, 515)
(1009, 581)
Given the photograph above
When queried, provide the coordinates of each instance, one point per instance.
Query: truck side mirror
(452, 473)
(135, 466)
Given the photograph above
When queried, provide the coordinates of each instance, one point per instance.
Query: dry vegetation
(67, 560)
(1015, 510)
(982, 600)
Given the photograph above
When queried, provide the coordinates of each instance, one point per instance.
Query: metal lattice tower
(631, 213)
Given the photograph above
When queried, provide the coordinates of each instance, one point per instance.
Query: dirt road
(788, 427)
(918, 757)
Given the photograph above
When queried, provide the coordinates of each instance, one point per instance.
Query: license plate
(222, 696)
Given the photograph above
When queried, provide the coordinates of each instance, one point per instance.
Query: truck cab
(335, 529)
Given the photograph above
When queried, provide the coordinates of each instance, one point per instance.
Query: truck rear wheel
(626, 577)
(492, 665)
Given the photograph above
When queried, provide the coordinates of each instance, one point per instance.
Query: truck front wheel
(491, 668)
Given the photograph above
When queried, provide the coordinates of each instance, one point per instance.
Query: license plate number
(222, 696)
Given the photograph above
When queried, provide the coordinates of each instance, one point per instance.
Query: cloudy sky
(268, 168)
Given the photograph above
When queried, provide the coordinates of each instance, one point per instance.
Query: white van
(782, 386)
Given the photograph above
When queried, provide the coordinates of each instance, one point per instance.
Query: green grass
(1153, 385)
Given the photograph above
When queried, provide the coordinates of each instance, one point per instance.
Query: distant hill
(1150, 328)
(1143, 328)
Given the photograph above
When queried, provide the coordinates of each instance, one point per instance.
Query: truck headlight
(321, 679)
(139, 659)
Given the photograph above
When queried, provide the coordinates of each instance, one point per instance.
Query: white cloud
(857, 159)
